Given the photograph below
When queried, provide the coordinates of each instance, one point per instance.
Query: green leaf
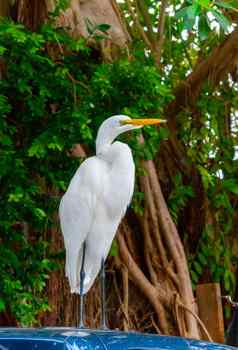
(163, 133)
(55, 144)
(198, 267)
(16, 196)
(114, 249)
(5, 140)
(203, 27)
(90, 26)
(79, 45)
(195, 277)
(221, 19)
(204, 3)
(37, 150)
(226, 4)
(227, 312)
(205, 250)
(98, 37)
(231, 185)
(193, 11)
(46, 264)
(227, 283)
(207, 178)
(40, 213)
(2, 305)
(189, 15)
(104, 27)
(2, 50)
(202, 259)
(182, 12)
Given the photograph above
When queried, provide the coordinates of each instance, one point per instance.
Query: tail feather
(72, 264)
(73, 268)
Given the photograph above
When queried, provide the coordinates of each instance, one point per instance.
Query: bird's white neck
(116, 154)
(108, 132)
(104, 140)
(102, 147)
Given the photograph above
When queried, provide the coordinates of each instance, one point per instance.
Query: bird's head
(118, 124)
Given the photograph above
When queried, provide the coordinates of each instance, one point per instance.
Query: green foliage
(39, 121)
(213, 153)
(48, 103)
(178, 197)
(97, 32)
(213, 256)
(114, 248)
(203, 14)
(207, 132)
(60, 5)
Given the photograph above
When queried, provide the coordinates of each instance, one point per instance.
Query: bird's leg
(103, 295)
(82, 277)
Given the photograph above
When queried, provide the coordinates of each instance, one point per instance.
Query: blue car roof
(89, 339)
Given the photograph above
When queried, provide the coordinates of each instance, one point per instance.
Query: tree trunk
(151, 265)
(161, 272)
(4, 8)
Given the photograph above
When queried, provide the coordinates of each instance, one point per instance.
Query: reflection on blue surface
(85, 339)
(200, 345)
(23, 344)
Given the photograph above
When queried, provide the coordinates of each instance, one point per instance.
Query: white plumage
(96, 200)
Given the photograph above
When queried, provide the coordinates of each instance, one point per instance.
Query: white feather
(95, 202)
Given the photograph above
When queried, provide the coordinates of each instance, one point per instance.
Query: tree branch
(146, 17)
(160, 34)
(145, 286)
(213, 69)
(138, 25)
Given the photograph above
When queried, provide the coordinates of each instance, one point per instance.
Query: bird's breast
(119, 185)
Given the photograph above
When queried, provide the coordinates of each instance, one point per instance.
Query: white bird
(96, 200)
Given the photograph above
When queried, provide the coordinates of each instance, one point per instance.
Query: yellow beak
(143, 121)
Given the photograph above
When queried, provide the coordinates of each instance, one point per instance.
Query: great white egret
(95, 202)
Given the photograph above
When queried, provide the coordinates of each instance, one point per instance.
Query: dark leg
(103, 296)
(82, 277)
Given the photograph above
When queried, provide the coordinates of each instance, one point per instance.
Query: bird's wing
(76, 214)
(111, 206)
